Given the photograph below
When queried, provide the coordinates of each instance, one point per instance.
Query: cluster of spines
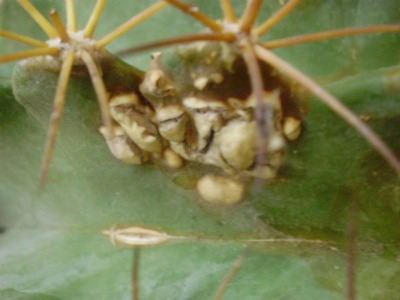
(58, 30)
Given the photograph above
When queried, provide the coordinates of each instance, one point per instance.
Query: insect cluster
(200, 115)
(226, 104)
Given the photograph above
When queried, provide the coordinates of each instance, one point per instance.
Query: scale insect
(69, 48)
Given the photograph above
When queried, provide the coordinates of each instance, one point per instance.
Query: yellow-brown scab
(291, 128)
(236, 142)
(220, 190)
(172, 159)
(172, 121)
(122, 147)
(134, 119)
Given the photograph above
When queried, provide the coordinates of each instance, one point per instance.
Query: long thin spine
(228, 11)
(100, 89)
(94, 18)
(28, 54)
(39, 19)
(71, 15)
(229, 277)
(262, 111)
(22, 39)
(332, 102)
(331, 34)
(55, 119)
(135, 273)
(352, 232)
(55, 18)
(195, 13)
(285, 42)
(144, 15)
(227, 37)
(276, 17)
(250, 14)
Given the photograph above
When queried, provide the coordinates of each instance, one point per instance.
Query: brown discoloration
(219, 117)
(210, 120)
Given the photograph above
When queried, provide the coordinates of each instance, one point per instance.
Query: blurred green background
(50, 242)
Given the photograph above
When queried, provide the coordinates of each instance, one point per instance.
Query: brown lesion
(233, 90)
(245, 35)
(216, 110)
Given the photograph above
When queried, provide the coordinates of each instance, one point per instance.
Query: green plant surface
(51, 246)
